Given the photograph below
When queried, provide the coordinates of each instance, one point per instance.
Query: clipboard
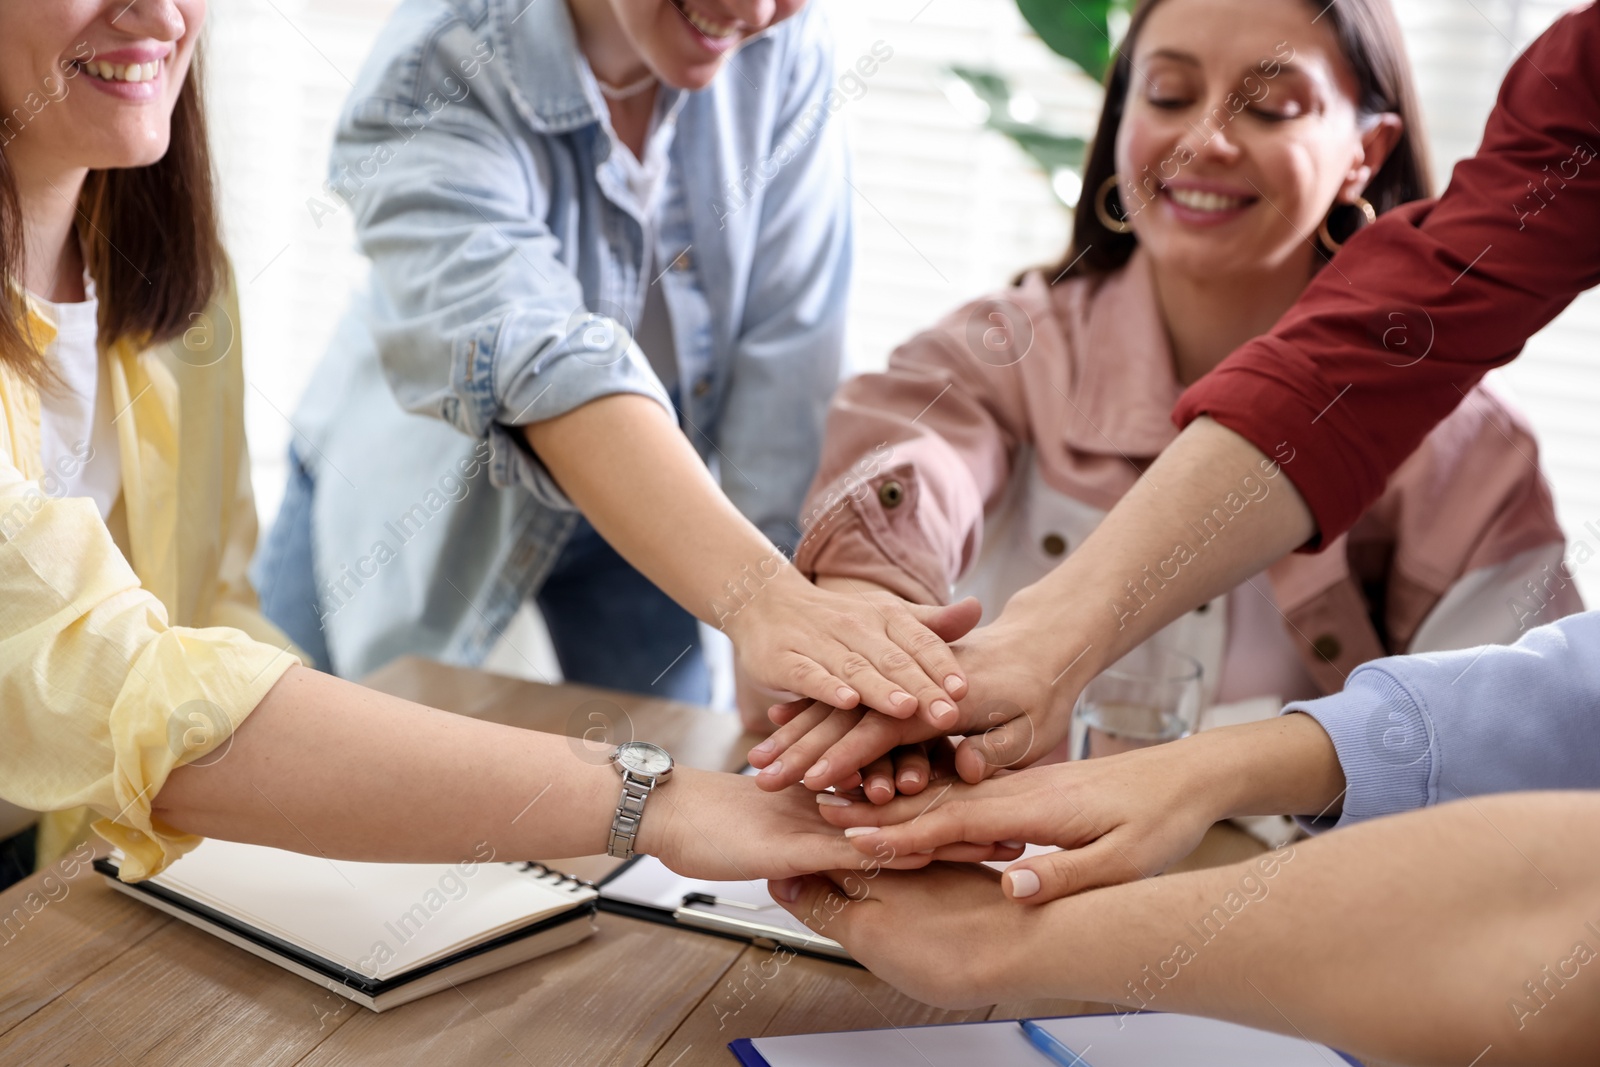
(743, 911)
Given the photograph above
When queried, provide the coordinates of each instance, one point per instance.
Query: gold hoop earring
(1368, 212)
(1102, 207)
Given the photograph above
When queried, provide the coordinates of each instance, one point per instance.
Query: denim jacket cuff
(552, 384)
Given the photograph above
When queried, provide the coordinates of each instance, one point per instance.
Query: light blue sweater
(1417, 730)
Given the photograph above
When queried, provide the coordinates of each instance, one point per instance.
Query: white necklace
(622, 92)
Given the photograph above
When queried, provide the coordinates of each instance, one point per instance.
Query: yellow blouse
(118, 665)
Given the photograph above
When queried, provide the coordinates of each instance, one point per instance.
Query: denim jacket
(507, 257)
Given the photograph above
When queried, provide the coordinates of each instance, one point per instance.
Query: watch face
(641, 757)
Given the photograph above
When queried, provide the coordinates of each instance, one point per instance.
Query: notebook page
(379, 919)
(911, 1046)
(1145, 1039)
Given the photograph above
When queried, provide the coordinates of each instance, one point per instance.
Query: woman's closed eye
(1281, 113)
(1170, 103)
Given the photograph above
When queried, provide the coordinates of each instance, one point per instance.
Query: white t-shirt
(77, 439)
(645, 178)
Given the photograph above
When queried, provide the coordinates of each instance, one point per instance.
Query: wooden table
(93, 977)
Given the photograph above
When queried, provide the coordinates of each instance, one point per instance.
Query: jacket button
(702, 387)
(1053, 544)
(1327, 648)
(891, 493)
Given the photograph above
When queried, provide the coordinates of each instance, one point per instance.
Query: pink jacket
(994, 443)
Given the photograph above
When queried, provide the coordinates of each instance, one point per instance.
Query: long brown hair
(1370, 39)
(150, 240)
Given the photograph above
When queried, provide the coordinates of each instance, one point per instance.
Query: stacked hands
(914, 781)
(893, 801)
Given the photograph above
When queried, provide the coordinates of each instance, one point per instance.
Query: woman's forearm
(633, 474)
(1209, 513)
(1281, 766)
(637, 479)
(324, 766)
(1468, 930)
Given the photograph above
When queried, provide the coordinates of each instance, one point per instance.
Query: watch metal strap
(630, 810)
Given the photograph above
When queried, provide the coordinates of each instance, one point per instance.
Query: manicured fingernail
(882, 785)
(832, 800)
(944, 712)
(773, 769)
(1010, 844)
(764, 747)
(818, 769)
(899, 698)
(860, 831)
(786, 889)
(952, 683)
(1024, 883)
(844, 696)
(910, 778)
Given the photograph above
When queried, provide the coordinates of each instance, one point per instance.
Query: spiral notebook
(381, 934)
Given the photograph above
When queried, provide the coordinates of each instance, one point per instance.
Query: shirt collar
(548, 77)
(1122, 387)
(40, 326)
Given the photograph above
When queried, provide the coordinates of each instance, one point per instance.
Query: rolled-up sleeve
(916, 456)
(483, 323)
(100, 699)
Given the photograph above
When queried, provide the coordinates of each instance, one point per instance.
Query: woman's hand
(807, 729)
(1012, 715)
(909, 770)
(945, 935)
(1118, 818)
(847, 648)
(721, 827)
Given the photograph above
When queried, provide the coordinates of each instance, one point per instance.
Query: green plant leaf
(1080, 30)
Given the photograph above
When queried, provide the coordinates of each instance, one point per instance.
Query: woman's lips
(1205, 207)
(710, 34)
(126, 81)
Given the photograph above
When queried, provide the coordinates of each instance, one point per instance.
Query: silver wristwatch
(643, 766)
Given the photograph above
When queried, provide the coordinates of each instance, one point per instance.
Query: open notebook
(1146, 1039)
(381, 934)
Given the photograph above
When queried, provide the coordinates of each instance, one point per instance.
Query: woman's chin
(690, 77)
(1204, 261)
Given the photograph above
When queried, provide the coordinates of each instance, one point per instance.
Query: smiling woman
(561, 270)
(138, 679)
(136, 206)
(1237, 140)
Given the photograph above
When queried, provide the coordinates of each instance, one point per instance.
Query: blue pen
(1050, 1045)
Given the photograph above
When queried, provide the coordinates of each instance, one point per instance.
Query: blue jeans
(282, 574)
(610, 626)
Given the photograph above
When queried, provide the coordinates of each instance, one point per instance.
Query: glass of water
(1148, 696)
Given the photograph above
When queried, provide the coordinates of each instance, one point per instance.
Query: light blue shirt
(508, 258)
(1412, 731)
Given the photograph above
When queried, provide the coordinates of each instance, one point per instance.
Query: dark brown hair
(1370, 39)
(149, 235)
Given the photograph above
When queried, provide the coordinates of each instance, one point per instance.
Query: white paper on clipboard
(743, 909)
